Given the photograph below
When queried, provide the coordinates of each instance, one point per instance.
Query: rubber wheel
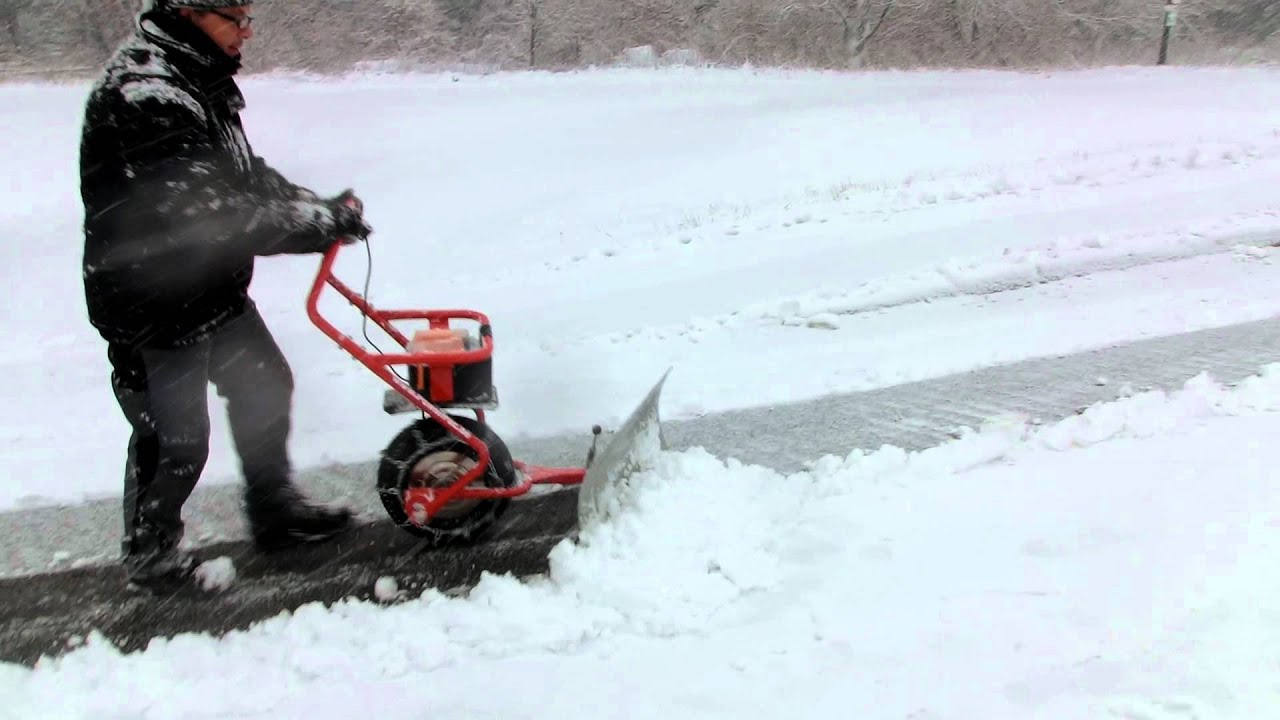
(426, 454)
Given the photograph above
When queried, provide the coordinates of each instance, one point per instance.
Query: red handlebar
(384, 319)
(427, 500)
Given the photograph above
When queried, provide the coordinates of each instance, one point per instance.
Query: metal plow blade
(632, 448)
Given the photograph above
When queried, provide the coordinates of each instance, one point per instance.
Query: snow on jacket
(176, 203)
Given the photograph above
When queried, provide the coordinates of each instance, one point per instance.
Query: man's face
(223, 26)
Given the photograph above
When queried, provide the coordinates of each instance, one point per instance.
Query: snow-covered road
(722, 222)
(774, 236)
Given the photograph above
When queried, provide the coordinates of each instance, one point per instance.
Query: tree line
(73, 37)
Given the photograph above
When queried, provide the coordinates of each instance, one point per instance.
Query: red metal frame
(423, 503)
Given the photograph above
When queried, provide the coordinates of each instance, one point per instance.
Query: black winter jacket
(176, 204)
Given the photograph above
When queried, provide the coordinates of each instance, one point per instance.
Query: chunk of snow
(216, 575)
(824, 321)
(387, 590)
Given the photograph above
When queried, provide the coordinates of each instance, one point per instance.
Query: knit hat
(202, 4)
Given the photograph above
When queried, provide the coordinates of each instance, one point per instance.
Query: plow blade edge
(631, 449)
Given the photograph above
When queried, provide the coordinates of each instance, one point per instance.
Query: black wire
(368, 278)
(364, 323)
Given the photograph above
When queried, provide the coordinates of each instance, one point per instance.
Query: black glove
(348, 197)
(348, 218)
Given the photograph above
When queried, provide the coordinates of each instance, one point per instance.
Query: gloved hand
(348, 217)
(348, 197)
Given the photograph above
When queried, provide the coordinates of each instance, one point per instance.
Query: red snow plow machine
(448, 477)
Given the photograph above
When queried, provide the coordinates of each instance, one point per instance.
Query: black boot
(154, 562)
(283, 518)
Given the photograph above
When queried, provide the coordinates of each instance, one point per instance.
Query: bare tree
(12, 39)
(57, 34)
(418, 28)
(860, 20)
(737, 31)
(558, 32)
(106, 23)
(964, 15)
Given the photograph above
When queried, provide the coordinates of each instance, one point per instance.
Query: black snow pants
(164, 396)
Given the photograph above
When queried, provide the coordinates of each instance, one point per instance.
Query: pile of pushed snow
(855, 551)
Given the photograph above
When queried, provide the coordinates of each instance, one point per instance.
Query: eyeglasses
(242, 21)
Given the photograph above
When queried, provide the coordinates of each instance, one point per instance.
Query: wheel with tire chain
(425, 454)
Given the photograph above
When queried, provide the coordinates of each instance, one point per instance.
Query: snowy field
(772, 237)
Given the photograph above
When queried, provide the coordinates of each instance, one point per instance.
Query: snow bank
(1019, 562)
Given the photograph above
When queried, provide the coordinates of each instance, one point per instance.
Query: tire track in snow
(1017, 270)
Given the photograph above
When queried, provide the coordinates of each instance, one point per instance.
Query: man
(177, 206)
